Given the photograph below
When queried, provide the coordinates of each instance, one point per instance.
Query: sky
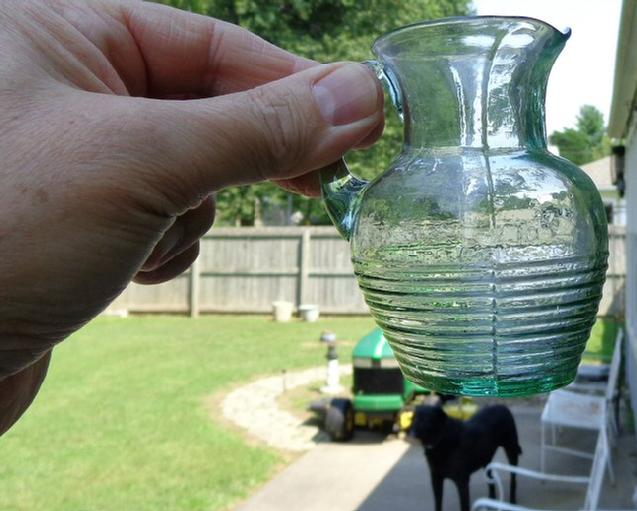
(583, 73)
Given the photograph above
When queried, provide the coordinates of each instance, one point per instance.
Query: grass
(121, 422)
(600, 345)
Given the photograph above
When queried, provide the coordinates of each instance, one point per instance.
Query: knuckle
(283, 130)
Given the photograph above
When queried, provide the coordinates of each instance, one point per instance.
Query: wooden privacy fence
(245, 269)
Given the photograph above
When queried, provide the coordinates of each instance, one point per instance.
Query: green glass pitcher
(481, 255)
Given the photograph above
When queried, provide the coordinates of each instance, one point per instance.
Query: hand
(18, 391)
(118, 119)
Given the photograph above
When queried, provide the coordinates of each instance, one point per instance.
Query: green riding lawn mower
(381, 396)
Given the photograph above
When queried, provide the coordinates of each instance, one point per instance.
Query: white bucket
(282, 311)
(309, 312)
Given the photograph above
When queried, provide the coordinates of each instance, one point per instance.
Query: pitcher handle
(341, 190)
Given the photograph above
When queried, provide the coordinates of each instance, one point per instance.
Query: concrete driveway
(373, 473)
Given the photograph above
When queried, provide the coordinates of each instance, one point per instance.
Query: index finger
(187, 53)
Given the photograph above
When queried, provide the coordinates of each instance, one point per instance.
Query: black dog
(455, 449)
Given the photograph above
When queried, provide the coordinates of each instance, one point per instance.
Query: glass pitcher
(481, 255)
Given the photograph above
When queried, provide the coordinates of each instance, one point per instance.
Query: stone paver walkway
(254, 408)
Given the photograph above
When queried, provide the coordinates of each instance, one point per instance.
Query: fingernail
(348, 94)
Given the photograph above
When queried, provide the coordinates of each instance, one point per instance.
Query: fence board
(244, 270)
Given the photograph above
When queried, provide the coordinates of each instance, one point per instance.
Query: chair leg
(542, 445)
(554, 434)
(616, 411)
(612, 433)
(614, 429)
(611, 472)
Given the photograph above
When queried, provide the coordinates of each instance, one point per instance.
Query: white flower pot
(309, 312)
(282, 311)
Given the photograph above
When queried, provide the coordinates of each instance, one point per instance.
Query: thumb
(279, 130)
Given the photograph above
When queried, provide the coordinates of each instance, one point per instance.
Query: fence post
(193, 299)
(304, 266)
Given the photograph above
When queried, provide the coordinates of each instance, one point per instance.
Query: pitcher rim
(455, 19)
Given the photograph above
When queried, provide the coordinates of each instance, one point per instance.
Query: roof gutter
(625, 83)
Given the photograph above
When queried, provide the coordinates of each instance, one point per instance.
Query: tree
(326, 31)
(587, 141)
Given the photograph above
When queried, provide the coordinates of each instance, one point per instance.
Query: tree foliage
(587, 141)
(326, 31)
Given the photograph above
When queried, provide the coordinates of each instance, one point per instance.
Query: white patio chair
(594, 480)
(568, 408)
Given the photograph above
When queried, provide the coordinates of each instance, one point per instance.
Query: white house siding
(622, 128)
(631, 266)
(600, 172)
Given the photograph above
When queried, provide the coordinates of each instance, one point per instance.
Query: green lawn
(121, 422)
(600, 345)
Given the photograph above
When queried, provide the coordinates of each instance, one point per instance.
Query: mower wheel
(339, 420)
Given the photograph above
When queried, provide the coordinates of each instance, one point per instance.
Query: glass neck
(472, 82)
(473, 102)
